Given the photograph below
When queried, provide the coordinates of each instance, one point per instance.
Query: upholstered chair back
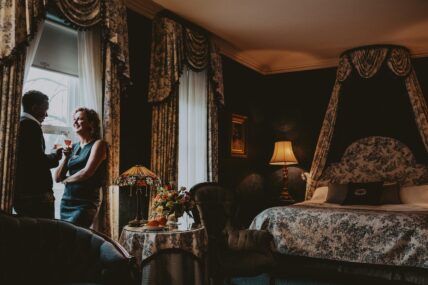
(214, 205)
(43, 251)
(232, 251)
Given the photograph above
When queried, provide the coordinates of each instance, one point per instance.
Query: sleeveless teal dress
(81, 200)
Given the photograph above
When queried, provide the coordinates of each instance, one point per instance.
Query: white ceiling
(273, 36)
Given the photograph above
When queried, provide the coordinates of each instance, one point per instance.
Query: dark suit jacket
(33, 176)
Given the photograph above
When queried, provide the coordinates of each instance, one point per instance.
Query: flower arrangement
(170, 201)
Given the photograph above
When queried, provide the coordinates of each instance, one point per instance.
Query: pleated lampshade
(283, 154)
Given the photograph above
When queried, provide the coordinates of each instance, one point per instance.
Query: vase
(172, 218)
(172, 222)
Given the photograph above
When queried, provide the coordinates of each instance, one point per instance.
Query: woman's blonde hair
(94, 121)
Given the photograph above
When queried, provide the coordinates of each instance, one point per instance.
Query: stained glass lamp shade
(138, 177)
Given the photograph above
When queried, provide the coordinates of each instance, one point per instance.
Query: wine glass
(67, 142)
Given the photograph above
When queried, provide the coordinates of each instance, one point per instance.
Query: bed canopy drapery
(18, 25)
(366, 63)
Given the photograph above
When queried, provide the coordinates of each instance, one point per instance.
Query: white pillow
(320, 195)
(415, 194)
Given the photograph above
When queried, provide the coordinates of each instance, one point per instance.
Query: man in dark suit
(33, 194)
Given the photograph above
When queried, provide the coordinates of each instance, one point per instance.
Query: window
(65, 65)
(54, 72)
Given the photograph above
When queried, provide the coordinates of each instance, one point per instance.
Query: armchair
(44, 251)
(232, 252)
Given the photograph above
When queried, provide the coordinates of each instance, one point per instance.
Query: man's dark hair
(33, 97)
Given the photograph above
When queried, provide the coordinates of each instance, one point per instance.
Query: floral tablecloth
(143, 244)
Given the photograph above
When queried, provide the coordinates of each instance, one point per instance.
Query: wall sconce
(283, 155)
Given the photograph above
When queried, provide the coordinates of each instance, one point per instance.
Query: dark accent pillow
(336, 193)
(390, 193)
(363, 193)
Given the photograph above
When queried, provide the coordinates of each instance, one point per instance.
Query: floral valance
(82, 13)
(175, 45)
(367, 61)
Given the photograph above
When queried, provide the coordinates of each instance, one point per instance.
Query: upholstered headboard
(376, 159)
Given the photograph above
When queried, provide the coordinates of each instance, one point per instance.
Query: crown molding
(327, 63)
(420, 52)
(146, 8)
(229, 50)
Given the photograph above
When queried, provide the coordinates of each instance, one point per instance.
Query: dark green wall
(292, 106)
(135, 123)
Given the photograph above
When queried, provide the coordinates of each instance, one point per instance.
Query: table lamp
(138, 177)
(283, 155)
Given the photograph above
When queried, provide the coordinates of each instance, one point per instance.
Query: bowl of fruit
(156, 224)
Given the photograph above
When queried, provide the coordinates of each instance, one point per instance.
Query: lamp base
(285, 200)
(285, 196)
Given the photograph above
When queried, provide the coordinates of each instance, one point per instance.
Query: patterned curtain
(175, 45)
(116, 77)
(165, 138)
(17, 27)
(367, 62)
(212, 136)
(18, 24)
(326, 134)
(399, 62)
(11, 81)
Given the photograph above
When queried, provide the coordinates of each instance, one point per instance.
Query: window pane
(55, 85)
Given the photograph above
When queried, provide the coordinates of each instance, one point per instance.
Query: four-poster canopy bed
(353, 224)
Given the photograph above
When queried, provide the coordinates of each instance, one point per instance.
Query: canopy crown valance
(368, 60)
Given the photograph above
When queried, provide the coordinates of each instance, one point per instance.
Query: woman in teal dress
(86, 164)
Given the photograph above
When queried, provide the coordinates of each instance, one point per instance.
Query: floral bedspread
(354, 235)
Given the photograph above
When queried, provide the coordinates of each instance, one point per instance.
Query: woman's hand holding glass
(67, 149)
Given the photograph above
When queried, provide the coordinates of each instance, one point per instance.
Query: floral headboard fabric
(376, 159)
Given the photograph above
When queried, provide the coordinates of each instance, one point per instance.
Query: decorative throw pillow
(320, 194)
(363, 193)
(336, 193)
(414, 194)
(390, 193)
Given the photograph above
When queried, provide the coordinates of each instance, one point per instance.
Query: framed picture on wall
(238, 142)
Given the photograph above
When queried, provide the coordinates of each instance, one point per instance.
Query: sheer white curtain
(74, 101)
(192, 132)
(89, 69)
(90, 80)
(32, 49)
